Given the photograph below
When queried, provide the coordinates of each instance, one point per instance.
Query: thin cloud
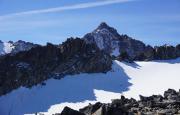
(64, 8)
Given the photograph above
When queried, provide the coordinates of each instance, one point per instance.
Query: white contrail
(64, 8)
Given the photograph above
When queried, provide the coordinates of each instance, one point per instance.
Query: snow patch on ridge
(15, 47)
(115, 52)
(6, 47)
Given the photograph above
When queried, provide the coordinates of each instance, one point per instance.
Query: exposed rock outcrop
(166, 52)
(69, 111)
(51, 61)
(152, 105)
(22, 46)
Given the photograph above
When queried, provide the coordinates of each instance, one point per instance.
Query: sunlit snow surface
(5, 48)
(77, 91)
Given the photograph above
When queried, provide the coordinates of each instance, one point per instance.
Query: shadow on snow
(170, 61)
(133, 65)
(76, 88)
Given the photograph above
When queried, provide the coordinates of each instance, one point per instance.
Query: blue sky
(155, 22)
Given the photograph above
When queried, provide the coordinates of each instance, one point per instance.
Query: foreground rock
(51, 61)
(169, 104)
(69, 111)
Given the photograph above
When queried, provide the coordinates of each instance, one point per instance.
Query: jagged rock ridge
(51, 61)
(108, 39)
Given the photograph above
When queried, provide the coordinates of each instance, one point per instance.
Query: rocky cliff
(40, 63)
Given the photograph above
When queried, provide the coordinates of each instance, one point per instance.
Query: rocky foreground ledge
(169, 104)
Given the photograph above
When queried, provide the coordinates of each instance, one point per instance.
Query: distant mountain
(15, 47)
(108, 39)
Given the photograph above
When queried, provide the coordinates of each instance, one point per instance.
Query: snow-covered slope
(77, 91)
(155, 77)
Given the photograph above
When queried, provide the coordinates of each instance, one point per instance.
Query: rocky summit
(108, 39)
(40, 63)
(169, 104)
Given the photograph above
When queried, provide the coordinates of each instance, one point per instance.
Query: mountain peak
(103, 25)
(108, 39)
(20, 41)
(105, 37)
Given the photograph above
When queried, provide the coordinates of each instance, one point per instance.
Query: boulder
(171, 94)
(91, 108)
(69, 111)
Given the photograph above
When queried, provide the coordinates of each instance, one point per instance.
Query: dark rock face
(124, 57)
(22, 46)
(146, 55)
(178, 50)
(153, 105)
(172, 95)
(159, 53)
(91, 108)
(82, 57)
(165, 52)
(43, 62)
(69, 111)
